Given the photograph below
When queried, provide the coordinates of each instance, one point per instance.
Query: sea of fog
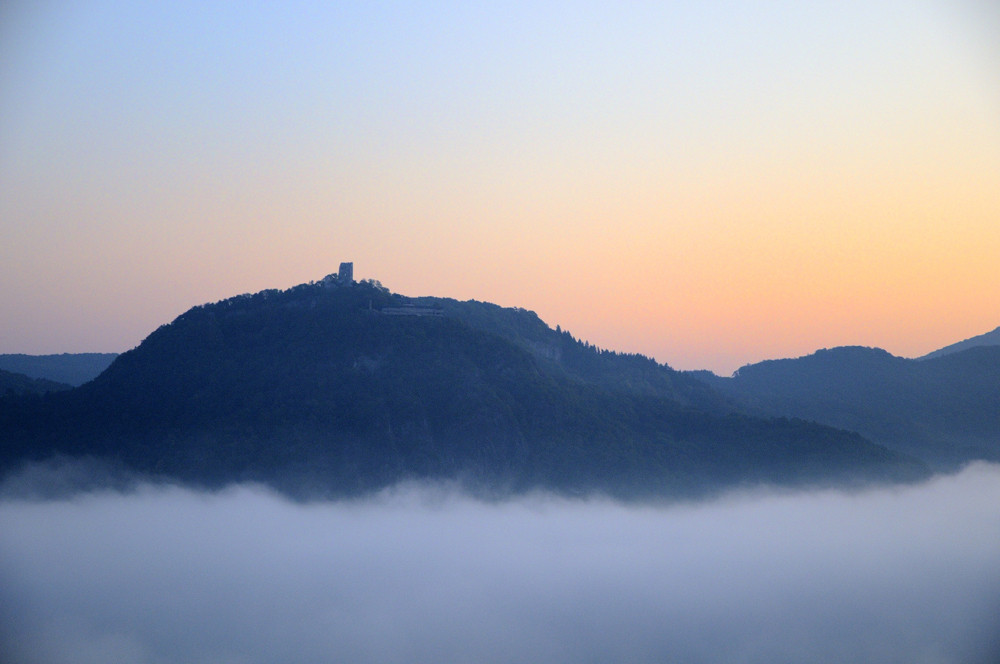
(162, 574)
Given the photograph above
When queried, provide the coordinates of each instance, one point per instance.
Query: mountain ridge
(12, 383)
(72, 369)
(316, 390)
(944, 410)
(991, 338)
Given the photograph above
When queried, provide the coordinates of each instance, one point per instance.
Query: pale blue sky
(708, 183)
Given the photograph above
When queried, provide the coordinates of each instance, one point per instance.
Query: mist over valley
(424, 573)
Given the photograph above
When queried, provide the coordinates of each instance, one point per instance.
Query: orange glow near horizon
(707, 187)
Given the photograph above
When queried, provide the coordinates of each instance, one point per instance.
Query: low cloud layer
(162, 575)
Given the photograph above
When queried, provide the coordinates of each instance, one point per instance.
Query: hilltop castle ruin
(343, 277)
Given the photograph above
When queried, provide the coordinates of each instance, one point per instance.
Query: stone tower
(346, 275)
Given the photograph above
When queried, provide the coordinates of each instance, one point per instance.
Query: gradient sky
(709, 183)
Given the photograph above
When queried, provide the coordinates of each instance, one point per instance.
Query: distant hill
(338, 390)
(18, 384)
(944, 410)
(69, 368)
(988, 339)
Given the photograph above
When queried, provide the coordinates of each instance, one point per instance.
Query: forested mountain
(326, 389)
(988, 339)
(69, 368)
(627, 372)
(16, 383)
(944, 410)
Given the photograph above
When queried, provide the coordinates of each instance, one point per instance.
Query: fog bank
(164, 574)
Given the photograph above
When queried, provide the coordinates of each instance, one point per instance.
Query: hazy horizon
(710, 184)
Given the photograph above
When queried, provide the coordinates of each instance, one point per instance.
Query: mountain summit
(339, 388)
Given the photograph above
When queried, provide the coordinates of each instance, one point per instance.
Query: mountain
(339, 390)
(988, 339)
(15, 384)
(627, 372)
(944, 410)
(69, 368)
